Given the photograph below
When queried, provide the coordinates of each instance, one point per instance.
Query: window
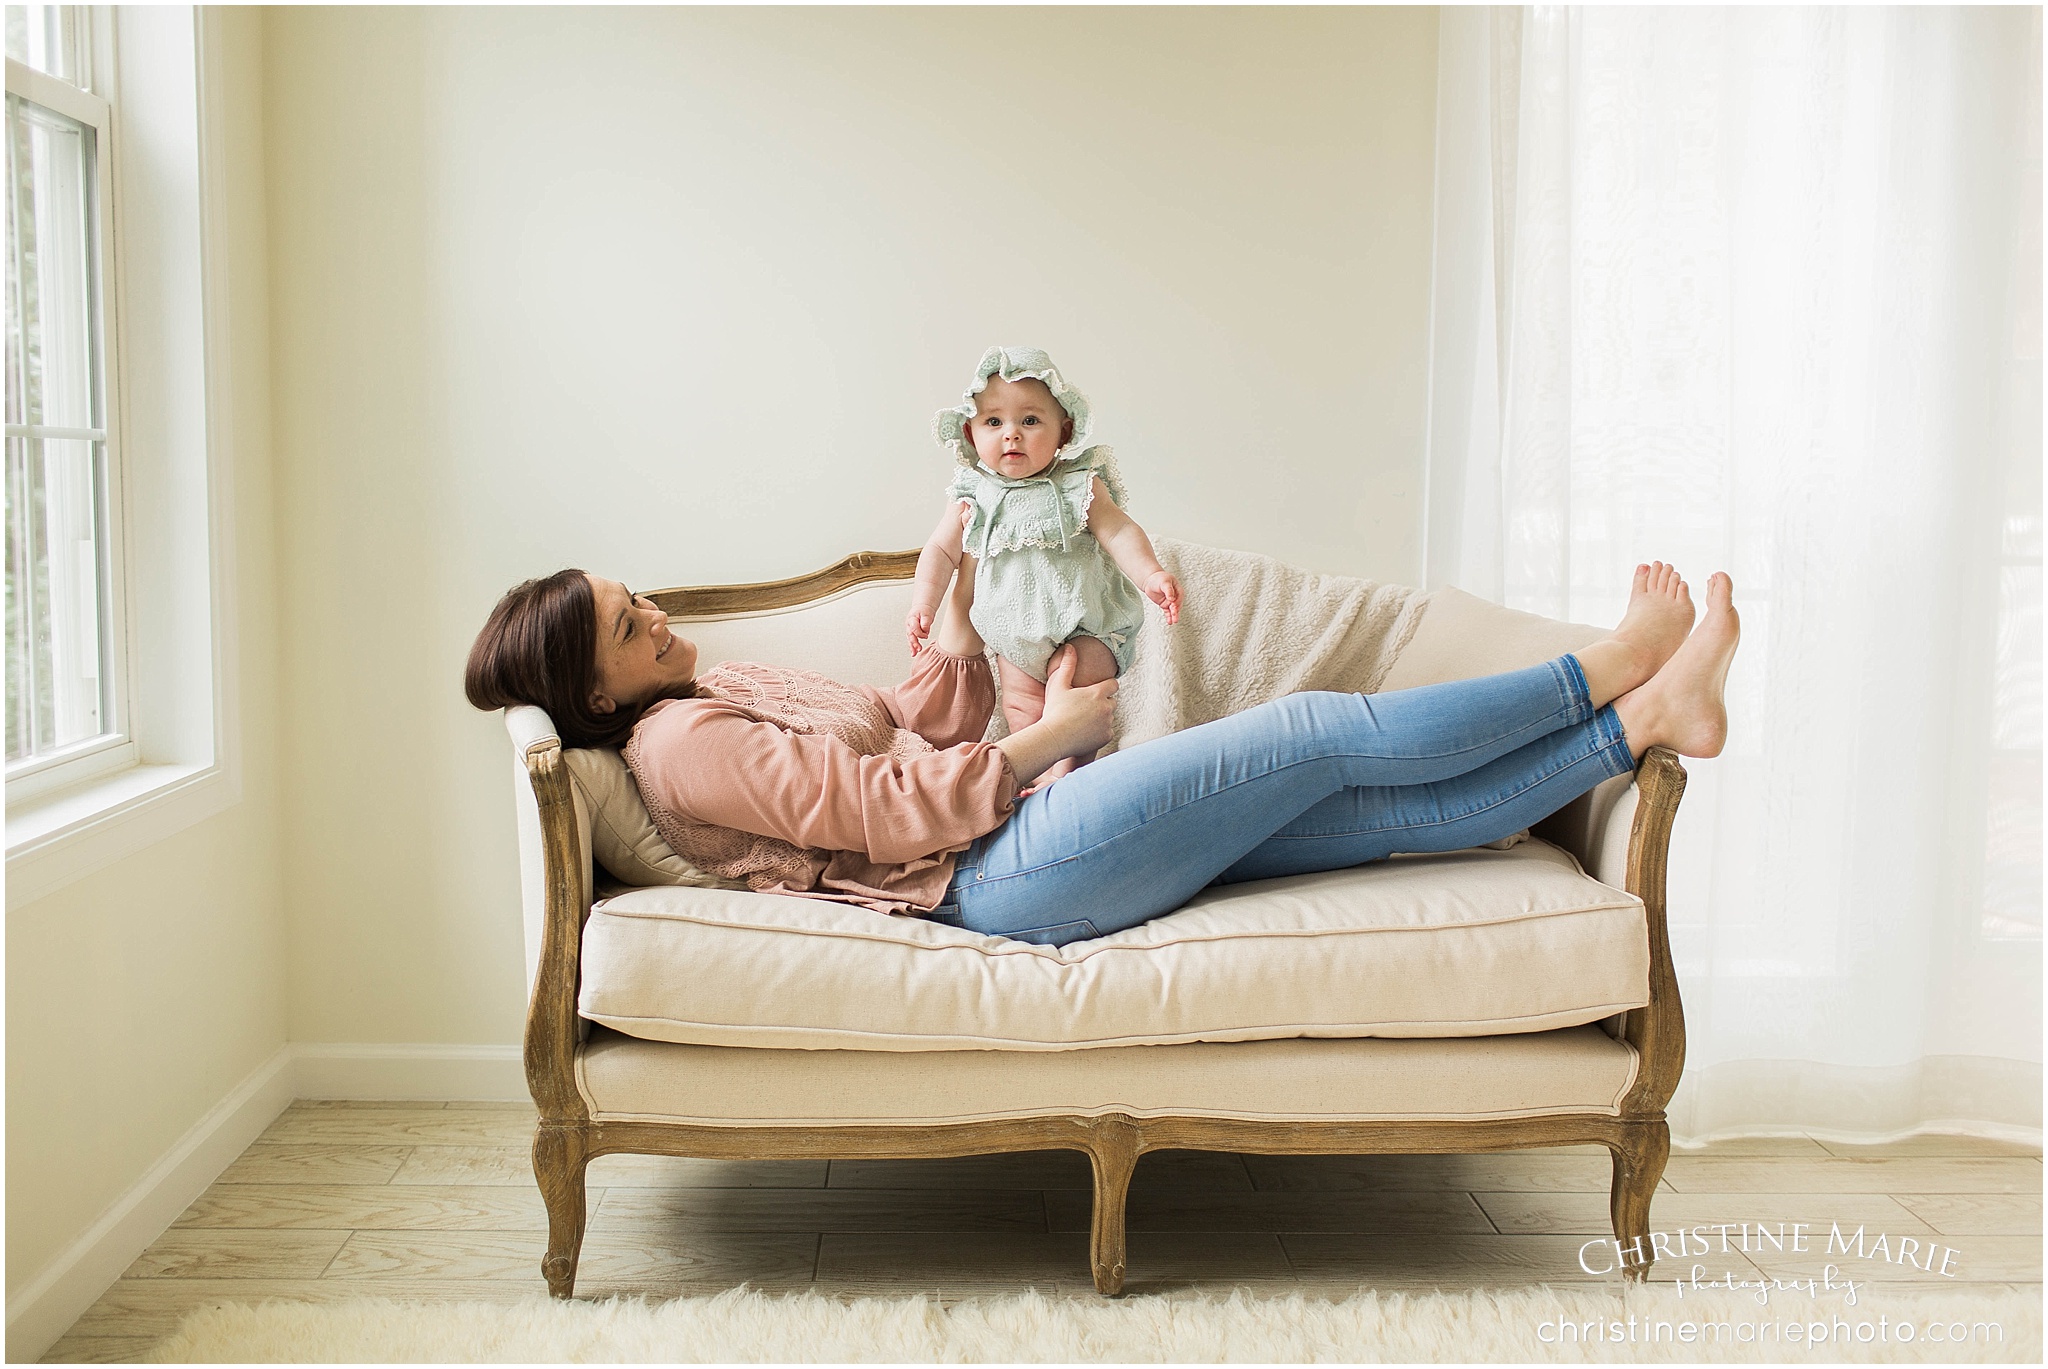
(122, 720)
(65, 677)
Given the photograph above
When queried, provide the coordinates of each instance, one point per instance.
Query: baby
(1035, 524)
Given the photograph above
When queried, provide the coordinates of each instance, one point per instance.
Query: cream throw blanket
(1251, 629)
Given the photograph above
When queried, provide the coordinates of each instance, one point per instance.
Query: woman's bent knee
(1056, 934)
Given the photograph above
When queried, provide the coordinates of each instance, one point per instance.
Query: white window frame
(164, 281)
(113, 749)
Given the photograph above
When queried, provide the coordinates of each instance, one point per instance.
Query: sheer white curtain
(1759, 289)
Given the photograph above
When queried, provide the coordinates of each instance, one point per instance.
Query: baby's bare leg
(1094, 662)
(1023, 697)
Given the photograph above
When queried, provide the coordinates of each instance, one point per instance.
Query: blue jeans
(1307, 782)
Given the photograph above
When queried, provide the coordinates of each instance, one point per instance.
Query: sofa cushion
(1468, 944)
(1468, 1079)
(622, 836)
(1462, 636)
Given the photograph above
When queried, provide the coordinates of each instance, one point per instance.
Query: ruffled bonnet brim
(949, 426)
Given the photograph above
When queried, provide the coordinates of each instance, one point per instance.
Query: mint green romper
(1041, 577)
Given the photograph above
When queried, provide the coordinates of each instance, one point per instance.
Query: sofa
(1516, 996)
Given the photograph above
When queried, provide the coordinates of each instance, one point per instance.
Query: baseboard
(47, 1305)
(471, 1074)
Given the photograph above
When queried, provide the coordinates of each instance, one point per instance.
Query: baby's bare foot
(1684, 705)
(1659, 615)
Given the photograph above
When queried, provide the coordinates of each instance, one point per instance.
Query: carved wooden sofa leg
(1640, 1150)
(559, 1156)
(1115, 1146)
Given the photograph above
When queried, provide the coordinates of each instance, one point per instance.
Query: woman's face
(638, 659)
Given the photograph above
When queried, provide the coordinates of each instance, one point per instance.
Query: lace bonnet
(949, 426)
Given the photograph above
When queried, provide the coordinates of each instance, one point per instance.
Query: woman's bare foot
(1651, 631)
(1683, 705)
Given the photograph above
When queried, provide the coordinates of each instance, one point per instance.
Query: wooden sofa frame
(568, 1138)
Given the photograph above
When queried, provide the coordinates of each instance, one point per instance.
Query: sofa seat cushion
(1474, 943)
(1573, 1070)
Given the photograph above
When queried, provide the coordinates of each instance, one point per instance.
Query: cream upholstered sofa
(1481, 1000)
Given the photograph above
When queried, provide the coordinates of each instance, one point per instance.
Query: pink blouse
(799, 784)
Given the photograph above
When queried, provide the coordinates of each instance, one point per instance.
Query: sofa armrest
(1595, 828)
(1620, 833)
(1657, 1029)
(552, 1026)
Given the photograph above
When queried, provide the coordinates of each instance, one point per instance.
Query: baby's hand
(917, 625)
(1162, 589)
(1043, 780)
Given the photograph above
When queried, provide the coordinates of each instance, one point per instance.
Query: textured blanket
(1251, 629)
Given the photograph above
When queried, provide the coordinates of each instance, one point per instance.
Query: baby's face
(1018, 427)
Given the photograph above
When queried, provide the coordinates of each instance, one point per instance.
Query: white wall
(139, 996)
(672, 294)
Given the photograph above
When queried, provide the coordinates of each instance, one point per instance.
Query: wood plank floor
(433, 1201)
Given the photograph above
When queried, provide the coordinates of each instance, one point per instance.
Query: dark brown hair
(539, 647)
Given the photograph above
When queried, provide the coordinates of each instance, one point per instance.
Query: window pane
(17, 305)
(50, 295)
(22, 655)
(57, 648)
(47, 37)
(54, 654)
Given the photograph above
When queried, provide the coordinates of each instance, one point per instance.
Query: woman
(801, 785)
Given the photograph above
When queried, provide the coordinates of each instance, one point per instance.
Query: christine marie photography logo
(1709, 1240)
(1694, 1259)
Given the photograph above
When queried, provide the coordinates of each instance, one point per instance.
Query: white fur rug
(742, 1326)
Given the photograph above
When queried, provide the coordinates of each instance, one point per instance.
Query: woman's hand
(1078, 721)
(1084, 716)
